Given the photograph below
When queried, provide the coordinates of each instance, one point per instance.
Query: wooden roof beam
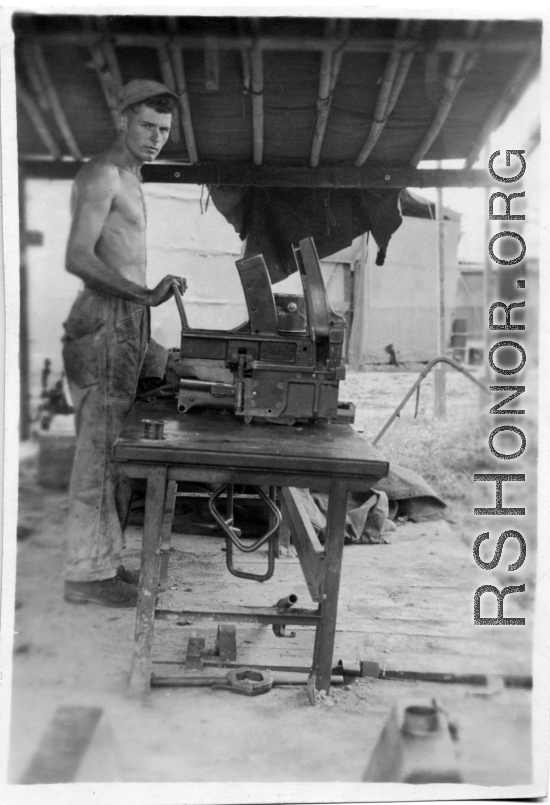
(34, 77)
(461, 65)
(99, 64)
(38, 121)
(245, 58)
(309, 44)
(402, 72)
(178, 70)
(391, 75)
(331, 61)
(181, 89)
(522, 76)
(168, 79)
(257, 90)
(53, 100)
(246, 175)
(211, 64)
(106, 80)
(108, 46)
(112, 62)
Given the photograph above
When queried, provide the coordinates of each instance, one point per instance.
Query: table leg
(334, 545)
(148, 583)
(167, 522)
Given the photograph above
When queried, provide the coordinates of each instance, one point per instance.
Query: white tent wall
(190, 239)
(51, 290)
(181, 240)
(397, 303)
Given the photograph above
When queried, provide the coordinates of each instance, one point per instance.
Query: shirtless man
(107, 341)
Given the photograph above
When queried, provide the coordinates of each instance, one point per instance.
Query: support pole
(361, 306)
(440, 372)
(487, 284)
(257, 104)
(245, 58)
(24, 360)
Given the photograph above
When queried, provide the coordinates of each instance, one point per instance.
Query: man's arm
(95, 196)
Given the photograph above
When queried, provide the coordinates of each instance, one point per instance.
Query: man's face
(146, 132)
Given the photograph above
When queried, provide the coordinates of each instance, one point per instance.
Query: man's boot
(108, 593)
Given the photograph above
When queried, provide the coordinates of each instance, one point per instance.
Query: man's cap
(141, 89)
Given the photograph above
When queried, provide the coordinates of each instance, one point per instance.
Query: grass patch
(445, 452)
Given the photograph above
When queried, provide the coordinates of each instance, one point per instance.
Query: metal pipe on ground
(286, 603)
(208, 681)
(510, 681)
(374, 670)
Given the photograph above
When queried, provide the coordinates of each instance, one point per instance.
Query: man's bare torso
(106, 246)
(121, 244)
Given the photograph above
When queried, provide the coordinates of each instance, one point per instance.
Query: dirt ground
(406, 605)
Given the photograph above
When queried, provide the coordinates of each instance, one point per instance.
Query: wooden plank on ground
(77, 746)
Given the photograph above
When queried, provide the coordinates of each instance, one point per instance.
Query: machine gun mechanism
(284, 365)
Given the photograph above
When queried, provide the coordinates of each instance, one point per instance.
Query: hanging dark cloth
(272, 219)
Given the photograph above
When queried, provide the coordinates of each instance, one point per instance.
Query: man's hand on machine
(164, 290)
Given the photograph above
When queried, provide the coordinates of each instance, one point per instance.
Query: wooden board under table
(219, 448)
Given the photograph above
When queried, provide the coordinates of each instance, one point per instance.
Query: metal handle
(179, 302)
(232, 537)
(231, 534)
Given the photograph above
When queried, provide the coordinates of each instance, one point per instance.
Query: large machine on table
(284, 365)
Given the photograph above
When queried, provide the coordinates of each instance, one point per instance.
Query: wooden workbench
(219, 448)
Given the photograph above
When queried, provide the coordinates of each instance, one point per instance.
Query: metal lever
(179, 302)
(241, 574)
(233, 537)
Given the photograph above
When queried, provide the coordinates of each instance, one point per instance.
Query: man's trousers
(104, 349)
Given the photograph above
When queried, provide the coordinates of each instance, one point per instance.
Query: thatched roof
(275, 93)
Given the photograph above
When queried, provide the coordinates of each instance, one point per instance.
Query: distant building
(397, 303)
(468, 316)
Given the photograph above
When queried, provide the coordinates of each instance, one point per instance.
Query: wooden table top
(221, 439)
